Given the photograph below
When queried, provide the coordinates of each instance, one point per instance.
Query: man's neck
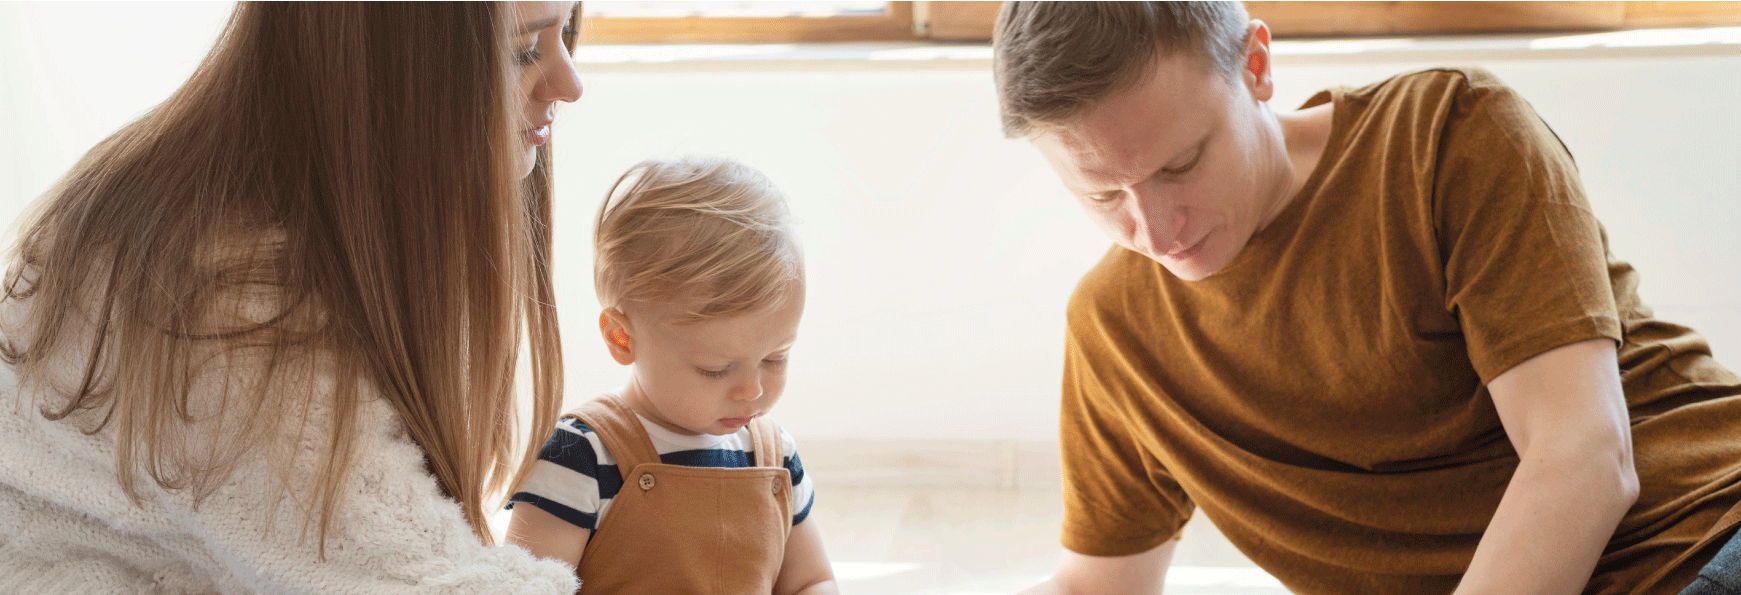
(1306, 132)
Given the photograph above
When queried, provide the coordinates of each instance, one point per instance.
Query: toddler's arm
(549, 537)
(806, 570)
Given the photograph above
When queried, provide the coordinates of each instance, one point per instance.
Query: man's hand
(1136, 574)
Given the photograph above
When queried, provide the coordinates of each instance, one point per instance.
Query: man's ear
(1256, 70)
(613, 325)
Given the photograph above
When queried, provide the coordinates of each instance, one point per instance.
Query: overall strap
(620, 430)
(765, 439)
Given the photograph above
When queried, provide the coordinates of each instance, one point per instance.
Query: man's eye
(1186, 168)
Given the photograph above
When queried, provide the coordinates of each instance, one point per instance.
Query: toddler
(679, 483)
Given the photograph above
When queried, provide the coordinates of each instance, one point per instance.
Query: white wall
(72, 73)
(940, 255)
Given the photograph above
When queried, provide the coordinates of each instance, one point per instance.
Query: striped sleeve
(803, 491)
(574, 478)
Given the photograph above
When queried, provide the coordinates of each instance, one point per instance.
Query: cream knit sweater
(66, 527)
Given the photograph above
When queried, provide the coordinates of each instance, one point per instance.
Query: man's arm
(1566, 415)
(1136, 574)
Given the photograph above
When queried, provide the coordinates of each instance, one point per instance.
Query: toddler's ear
(613, 325)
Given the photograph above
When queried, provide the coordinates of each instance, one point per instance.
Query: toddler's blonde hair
(707, 234)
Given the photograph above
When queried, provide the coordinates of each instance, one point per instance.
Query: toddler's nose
(748, 391)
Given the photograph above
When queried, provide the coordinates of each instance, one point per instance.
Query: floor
(981, 541)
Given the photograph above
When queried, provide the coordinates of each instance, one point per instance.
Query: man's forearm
(1556, 517)
(1135, 574)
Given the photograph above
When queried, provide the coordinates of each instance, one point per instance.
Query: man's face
(1183, 168)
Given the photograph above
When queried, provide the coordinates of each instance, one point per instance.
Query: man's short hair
(1056, 59)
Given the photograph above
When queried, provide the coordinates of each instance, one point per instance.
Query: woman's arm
(1566, 415)
(806, 570)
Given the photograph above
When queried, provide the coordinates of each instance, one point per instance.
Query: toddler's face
(712, 377)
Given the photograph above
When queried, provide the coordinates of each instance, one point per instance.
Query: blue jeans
(1723, 575)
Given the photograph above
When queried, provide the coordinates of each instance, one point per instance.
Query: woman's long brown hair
(335, 191)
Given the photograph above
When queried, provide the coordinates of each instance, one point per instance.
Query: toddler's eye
(713, 373)
(774, 363)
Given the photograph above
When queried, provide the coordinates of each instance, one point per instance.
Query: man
(1379, 340)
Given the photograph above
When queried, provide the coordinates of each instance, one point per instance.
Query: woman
(263, 339)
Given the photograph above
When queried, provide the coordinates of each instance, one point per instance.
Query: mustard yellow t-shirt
(1323, 400)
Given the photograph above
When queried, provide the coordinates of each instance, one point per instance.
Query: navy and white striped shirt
(575, 478)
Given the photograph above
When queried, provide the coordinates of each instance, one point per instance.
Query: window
(747, 22)
(793, 22)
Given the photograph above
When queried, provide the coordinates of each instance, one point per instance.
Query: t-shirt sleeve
(573, 477)
(803, 491)
(1525, 258)
(1118, 497)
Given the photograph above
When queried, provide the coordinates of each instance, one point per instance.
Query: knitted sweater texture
(67, 527)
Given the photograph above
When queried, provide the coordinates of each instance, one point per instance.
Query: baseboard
(1001, 464)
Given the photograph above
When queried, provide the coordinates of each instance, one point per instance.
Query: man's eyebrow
(544, 24)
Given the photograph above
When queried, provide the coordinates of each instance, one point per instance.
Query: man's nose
(1154, 222)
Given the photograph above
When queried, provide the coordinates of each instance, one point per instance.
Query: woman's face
(547, 72)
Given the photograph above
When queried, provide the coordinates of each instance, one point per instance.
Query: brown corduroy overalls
(674, 529)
